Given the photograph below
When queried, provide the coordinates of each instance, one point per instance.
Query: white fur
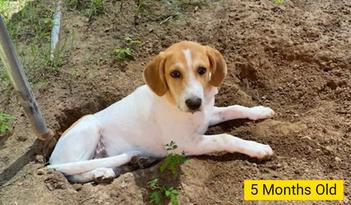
(141, 124)
(188, 59)
(193, 87)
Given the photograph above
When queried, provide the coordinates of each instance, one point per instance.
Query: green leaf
(171, 191)
(165, 164)
(172, 162)
(5, 122)
(153, 184)
(279, 1)
(174, 200)
(172, 194)
(131, 41)
(123, 53)
(155, 197)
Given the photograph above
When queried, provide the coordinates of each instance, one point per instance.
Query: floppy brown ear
(218, 66)
(154, 75)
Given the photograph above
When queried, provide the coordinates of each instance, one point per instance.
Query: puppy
(176, 104)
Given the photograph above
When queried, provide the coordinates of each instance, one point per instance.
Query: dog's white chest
(145, 122)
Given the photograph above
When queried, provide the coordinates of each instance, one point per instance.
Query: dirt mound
(294, 57)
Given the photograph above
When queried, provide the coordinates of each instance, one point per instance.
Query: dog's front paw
(103, 175)
(259, 151)
(260, 112)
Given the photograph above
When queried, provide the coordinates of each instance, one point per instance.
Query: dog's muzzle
(193, 104)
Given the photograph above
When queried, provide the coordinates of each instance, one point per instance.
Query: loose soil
(294, 57)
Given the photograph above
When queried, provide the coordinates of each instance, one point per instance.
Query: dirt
(294, 57)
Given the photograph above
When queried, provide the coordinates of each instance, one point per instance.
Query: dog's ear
(154, 75)
(218, 66)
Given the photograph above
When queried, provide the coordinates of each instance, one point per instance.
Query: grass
(9, 7)
(5, 122)
(279, 1)
(96, 8)
(126, 52)
(165, 11)
(30, 31)
(160, 192)
(4, 8)
(91, 8)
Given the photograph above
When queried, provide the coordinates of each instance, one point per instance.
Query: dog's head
(184, 72)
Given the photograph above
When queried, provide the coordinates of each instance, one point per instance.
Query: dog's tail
(74, 168)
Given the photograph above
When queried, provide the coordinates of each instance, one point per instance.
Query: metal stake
(19, 80)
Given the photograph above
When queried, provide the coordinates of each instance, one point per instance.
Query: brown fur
(157, 72)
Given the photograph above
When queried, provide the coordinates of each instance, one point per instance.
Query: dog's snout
(193, 103)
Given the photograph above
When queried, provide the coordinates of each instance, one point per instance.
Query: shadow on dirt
(12, 170)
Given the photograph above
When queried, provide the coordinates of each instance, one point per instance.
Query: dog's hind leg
(97, 175)
(94, 169)
(78, 143)
(79, 167)
(106, 174)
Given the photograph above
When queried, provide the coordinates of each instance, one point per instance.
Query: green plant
(30, 31)
(159, 193)
(126, 52)
(4, 77)
(172, 162)
(5, 122)
(123, 53)
(172, 194)
(155, 196)
(4, 8)
(131, 42)
(140, 5)
(73, 4)
(96, 7)
(279, 1)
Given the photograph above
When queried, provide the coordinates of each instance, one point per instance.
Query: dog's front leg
(221, 114)
(206, 144)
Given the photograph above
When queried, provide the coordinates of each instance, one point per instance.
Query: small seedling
(131, 42)
(155, 196)
(5, 122)
(172, 194)
(159, 193)
(153, 184)
(126, 52)
(123, 53)
(171, 162)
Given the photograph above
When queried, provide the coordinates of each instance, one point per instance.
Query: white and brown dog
(176, 104)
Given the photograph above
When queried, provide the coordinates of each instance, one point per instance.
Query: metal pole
(19, 80)
(55, 29)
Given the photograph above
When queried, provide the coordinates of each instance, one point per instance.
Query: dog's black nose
(193, 103)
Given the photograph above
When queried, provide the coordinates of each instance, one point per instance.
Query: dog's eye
(201, 70)
(175, 74)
